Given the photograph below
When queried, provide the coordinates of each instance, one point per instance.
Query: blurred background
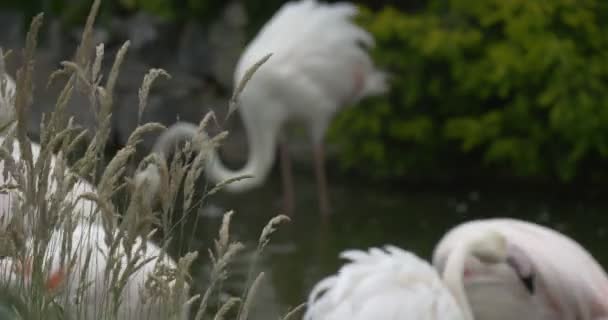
(496, 108)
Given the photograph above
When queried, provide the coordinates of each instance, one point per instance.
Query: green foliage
(516, 85)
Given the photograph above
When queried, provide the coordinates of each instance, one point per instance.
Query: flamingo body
(390, 284)
(83, 208)
(85, 291)
(81, 286)
(319, 64)
(568, 283)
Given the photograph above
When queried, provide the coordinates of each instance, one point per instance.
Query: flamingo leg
(287, 177)
(319, 162)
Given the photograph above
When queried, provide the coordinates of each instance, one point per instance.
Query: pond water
(305, 250)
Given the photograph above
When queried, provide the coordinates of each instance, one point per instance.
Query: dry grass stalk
(45, 202)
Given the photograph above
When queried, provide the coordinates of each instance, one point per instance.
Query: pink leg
(319, 162)
(287, 176)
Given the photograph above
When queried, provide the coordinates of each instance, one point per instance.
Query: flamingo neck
(257, 167)
(453, 277)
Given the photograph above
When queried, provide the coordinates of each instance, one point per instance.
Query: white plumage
(7, 97)
(319, 64)
(83, 208)
(84, 289)
(389, 284)
(566, 282)
(317, 50)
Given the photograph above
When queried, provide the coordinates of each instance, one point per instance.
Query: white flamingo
(83, 287)
(83, 208)
(7, 96)
(86, 277)
(319, 64)
(546, 275)
(393, 284)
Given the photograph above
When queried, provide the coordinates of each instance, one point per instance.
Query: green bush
(515, 86)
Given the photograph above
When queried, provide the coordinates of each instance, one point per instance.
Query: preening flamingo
(394, 284)
(319, 64)
(545, 276)
(78, 270)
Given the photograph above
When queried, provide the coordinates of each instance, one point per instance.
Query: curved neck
(453, 277)
(257, 167)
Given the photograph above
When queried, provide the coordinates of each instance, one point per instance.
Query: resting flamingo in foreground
(319, 64)
(393, 284)
(546, 276)
(83, 208)
(78, 276)
(87, 273)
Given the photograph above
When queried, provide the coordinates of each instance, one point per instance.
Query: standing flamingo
(393, 284)
(319, 64)
(83, 272)
(549, 275)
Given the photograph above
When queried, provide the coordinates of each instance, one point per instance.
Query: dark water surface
(304, 251)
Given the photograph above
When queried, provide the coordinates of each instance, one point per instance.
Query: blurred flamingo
(546, 275)
(396, 284)
(319, 64)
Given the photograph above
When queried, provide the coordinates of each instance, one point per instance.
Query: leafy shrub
(516, 86)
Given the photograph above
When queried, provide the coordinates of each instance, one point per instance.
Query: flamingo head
(493, 248)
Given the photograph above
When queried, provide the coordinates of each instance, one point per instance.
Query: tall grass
(62, 217)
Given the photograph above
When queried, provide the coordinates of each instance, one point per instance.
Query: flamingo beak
(528, 283)
(522, 265)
